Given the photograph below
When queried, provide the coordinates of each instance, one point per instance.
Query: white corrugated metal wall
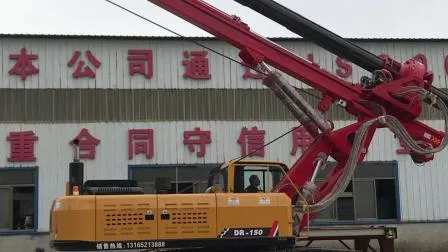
(421, 188)
(54, 53)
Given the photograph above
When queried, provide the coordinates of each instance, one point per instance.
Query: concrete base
(411, 238)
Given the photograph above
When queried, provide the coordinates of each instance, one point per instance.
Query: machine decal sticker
(57, 205)
(274, 229)
(435, 140)
(233, 201)
(244, 232)
(264, 201)
(129, 245)
(224, 232)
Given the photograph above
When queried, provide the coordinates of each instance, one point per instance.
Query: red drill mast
(391, 98)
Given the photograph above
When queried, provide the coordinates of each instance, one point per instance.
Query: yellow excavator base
(149, 221)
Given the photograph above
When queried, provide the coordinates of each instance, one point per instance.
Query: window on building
(371, 195)
(183, 178)
(18, 199)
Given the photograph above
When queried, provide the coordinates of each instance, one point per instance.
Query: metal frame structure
(361, 236)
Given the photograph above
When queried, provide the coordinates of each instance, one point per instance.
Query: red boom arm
(338, 143)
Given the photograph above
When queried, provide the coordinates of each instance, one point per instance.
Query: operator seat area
(256, 179)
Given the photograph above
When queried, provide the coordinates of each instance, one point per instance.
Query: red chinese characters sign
(252, 141)
(87, 144)
(140, 62)
(85, 64)
(197, 137)
(300, 139)
(142, 142)
(24, 64)
(196, 65)
(82, 69)
(22, 146)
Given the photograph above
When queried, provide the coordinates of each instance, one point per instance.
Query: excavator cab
(238, 176)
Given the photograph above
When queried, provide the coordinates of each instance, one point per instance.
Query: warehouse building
(145, 107)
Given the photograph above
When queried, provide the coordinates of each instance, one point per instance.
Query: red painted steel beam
(256, 48)
(337, 144)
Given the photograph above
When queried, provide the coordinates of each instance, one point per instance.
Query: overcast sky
(348, 18)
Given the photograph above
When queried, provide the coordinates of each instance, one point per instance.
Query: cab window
(256, 178)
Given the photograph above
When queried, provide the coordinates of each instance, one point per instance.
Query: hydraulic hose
(396, 127)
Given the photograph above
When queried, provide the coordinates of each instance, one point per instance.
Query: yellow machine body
(99, 222)
(224, 213)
